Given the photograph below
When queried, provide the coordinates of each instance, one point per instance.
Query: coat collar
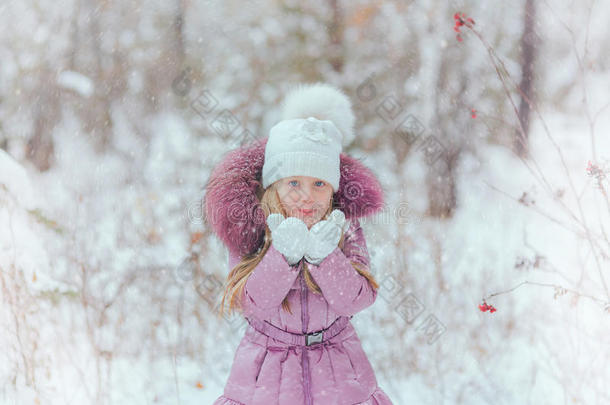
(232, 207)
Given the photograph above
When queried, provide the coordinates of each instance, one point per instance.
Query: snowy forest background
(490, 132)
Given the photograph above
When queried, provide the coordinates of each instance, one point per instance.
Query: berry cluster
(594, 170)
(460, 20)
(486, 307)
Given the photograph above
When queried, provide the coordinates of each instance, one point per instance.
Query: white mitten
(324, 237)
(289, 236)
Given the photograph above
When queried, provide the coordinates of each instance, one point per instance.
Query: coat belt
(300, 339)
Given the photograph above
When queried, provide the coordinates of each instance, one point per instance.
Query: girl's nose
(307, 199)
(306, 196)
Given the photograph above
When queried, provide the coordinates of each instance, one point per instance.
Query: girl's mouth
(306, 212)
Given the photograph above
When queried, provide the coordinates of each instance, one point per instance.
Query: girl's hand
(324, 237)
(289, 236)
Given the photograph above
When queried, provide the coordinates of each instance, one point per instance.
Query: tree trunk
(336, 37)
(528, 53)
(161, 75)
(447, 142)
(40, 149)
(440, 180)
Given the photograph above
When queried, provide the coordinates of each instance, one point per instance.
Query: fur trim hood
(232, 208)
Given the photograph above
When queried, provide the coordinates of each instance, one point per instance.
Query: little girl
(299, 270)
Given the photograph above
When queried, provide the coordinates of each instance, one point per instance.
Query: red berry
(484, 307)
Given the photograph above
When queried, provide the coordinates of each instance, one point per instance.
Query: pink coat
(268, 371)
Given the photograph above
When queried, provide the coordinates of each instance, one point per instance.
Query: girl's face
(304, 197)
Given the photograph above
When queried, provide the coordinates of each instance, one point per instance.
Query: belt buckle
(315, 338)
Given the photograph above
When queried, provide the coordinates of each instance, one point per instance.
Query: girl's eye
(296, 181)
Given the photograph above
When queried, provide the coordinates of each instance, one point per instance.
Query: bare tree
(447, 137)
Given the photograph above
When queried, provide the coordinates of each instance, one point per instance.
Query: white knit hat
(317, 121)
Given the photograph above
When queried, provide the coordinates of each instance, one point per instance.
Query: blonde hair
(238, 276)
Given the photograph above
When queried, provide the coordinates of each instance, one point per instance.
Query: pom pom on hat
(324, 102)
